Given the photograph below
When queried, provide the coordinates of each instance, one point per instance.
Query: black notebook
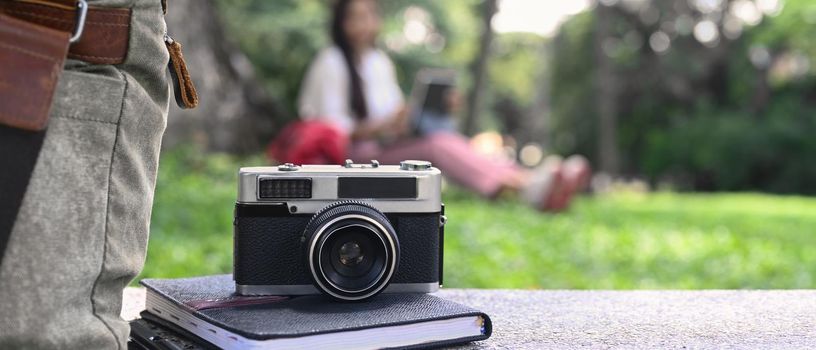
(208, 308)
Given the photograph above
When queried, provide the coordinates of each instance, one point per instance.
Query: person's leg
(451, 153)
(81, 233)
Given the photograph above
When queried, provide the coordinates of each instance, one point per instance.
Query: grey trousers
(81, 234)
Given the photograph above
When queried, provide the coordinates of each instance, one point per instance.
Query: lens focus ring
(351, 250)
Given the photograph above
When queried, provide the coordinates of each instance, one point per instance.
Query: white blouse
(325, 91)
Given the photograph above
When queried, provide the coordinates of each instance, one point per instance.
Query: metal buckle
(81, 14)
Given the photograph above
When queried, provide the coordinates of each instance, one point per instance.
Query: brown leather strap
(185, 91)
(107, 30)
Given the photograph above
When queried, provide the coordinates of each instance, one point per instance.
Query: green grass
(615, 241)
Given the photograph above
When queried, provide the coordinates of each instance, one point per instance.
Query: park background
(698, 115)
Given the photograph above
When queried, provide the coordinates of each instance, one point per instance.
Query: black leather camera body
(348, 231)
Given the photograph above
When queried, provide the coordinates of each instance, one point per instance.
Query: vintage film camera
(349, 231)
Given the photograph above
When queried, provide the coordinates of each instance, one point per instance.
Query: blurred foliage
(281, 37)
(738, 114)
(573, 113)
(621, 240)
(704, 117)
(724, 150)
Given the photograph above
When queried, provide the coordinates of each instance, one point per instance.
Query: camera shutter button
(288, 167)
(415, 165)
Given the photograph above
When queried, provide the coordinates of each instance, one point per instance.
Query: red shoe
(577, 173)
(546, 185)
(558, 198)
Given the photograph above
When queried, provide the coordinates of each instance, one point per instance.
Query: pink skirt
(450, 152)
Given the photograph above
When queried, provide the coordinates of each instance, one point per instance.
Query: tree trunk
(537, 122)
(479, 69)
(235, 113)
(606, 96)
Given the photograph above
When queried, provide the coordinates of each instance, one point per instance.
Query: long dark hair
(357, 99)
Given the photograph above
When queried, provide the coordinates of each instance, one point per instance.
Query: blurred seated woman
(352, 85)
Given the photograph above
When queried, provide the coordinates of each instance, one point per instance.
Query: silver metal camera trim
(324, 187)
(380, 278)
(310, 289)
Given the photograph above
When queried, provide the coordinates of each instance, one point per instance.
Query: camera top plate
(412, 187)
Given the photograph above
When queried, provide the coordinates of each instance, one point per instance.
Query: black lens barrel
(363, 227)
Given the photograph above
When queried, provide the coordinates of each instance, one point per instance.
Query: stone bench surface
(539, 319)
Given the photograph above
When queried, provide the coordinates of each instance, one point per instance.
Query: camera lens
(355, 272)
(352, 251)
(351, 254)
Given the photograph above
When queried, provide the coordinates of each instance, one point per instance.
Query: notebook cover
(307, 315)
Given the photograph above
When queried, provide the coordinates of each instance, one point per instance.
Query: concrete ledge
(630, 319)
